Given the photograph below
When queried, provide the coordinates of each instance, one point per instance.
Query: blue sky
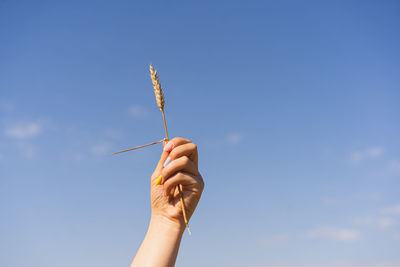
(294, 107)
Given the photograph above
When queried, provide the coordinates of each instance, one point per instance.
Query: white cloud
(394, 165)
(385, 222)
(234, 138)
(364, 221)
(396, 236)
(137, 111)
(28, 150)
(382, 222)
(275, 240)
(101, 149)
(23, 130)
(356, 156)
(395, 210)
(374, 152)
(333, 233)
(369, 153)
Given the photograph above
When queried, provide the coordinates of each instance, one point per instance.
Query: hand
(182, 169)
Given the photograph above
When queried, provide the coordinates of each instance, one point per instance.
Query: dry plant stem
(130, 149)
(165, 124)
(179, 186)
(183, 208)
(158, 92)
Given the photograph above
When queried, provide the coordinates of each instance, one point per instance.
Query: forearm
(160, 245)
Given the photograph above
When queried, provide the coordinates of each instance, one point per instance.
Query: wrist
(161, 223)
(161, 244)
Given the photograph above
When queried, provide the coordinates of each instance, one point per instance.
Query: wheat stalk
(160, 103)
(130, 149)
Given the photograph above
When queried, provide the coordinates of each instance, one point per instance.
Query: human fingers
(168, 147)
(184, 179)
(189, 150)
(175, 142)
(180, 164)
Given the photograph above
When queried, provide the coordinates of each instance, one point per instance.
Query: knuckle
(180, 175)
(175, 139)
(202, 184)
(185, 160)
(194, 146)
(181, 139)
(173, 154)
(168, 182)
(175, 177)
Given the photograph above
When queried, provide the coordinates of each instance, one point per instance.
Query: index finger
(168, 146)
(175, 142)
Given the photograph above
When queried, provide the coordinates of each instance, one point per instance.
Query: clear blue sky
(294, 106)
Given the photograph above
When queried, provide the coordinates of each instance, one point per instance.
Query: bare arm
(161, 244)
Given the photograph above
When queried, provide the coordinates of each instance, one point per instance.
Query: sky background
(294, 106)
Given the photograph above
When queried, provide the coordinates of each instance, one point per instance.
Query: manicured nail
(167, 162)
(158, 181)
(169, 146)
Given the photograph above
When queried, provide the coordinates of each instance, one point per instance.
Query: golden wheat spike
(157, 88)
(159, 95)
(160, 103)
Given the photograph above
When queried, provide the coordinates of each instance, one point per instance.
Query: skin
(161, 243)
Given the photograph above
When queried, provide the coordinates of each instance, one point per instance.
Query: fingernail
(167, 162)
(169, 146)
(158, 181)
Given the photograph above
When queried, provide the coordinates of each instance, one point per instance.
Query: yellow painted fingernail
(158, 181)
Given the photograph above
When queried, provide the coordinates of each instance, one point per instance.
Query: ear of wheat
(160, 103)
(157, 89)
(158, 92)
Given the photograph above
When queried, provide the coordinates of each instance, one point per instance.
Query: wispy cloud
(394, 166)
(23, 130)
(333, 233)
(234, 138)
(396, 236)
(394, 210)
(385, 222)
(275, 240)
(374, 152)
(101, 149)
(381, 222)
(137, 111)
(356, 156)
(28, 150)
(369, 153)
